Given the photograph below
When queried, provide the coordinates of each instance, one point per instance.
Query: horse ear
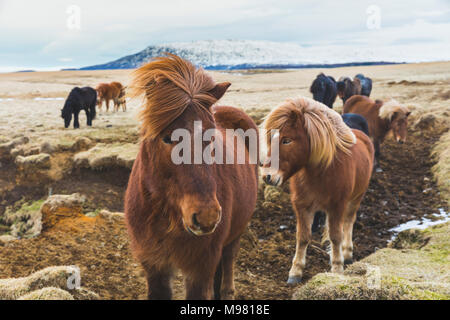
(219, 90)
(408, 114)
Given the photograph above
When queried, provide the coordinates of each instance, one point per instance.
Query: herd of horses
(87, 99)
(190, 217)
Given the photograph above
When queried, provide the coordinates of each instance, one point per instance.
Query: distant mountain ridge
(247, 54)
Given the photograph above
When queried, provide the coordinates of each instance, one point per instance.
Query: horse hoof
(348, 261)
(294, 280)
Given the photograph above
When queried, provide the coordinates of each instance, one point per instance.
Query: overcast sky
(35, 34)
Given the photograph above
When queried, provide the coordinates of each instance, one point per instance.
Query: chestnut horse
(381, 118)
(120, 100)
(329, 167)
(114, 91)
(188, 217)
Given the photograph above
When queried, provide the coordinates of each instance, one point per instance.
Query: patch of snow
(442, 217)
(49, 99)
(6, 99)
(245, 54)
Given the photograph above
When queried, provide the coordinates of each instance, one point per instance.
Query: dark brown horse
(188, 217)
(347, 87)
(329, 167)
(381, 118)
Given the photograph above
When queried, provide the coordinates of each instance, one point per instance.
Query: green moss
(421, 272)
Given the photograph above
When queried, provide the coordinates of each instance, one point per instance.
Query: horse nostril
(267, 178)
(195, 221)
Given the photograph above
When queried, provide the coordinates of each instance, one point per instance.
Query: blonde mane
(325, 128)
(389, 108)
(170, 85)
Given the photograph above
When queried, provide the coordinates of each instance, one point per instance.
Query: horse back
(367, 108)
(238, 182)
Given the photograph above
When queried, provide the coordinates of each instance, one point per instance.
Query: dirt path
(395, 195)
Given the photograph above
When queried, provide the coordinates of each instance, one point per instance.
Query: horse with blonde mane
(382, 118)
(329, 167)
(185, 216)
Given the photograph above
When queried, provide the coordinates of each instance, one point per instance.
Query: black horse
(356, 121)
(324, 90)
(366, 84)
(79, 99)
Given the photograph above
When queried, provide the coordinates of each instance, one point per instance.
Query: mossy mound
(421, 271)
(24, 222)
(104, 156)
(53, 283)
(33, 169)
(66, 144)
(7, 147)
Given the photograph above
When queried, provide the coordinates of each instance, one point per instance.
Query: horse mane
(170, 85)
(391, 107)
(325, 128)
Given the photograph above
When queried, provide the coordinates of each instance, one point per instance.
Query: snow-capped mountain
(244, 54)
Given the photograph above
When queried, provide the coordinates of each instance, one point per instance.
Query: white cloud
(36, 31)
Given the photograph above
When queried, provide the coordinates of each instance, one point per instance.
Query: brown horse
(188, 217)
(381, 118)
(111, 91)
(120, 100)
(329, 167)
(347, 87)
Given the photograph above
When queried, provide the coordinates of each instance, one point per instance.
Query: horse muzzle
(202, 219)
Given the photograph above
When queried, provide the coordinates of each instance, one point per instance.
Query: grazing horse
(185, 216)
(381, 118)
(356, 121)
(79, 99)
(120, 100)
(347, 87)
(324, 90)
(111, 91)
(366, 84)
(329, 167)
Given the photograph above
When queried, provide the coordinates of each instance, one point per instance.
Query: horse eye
(286, 141)
(167, 140)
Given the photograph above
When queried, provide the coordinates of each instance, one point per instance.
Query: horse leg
(376, 144)
(200, 286)
(305, 219)
(218, 281)
(107, 105)
(349, 221)
(229, 255)
(158, 282)
(335, 233)
(89, 117)
(76, 124)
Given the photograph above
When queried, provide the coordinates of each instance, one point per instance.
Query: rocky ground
(44, 231)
